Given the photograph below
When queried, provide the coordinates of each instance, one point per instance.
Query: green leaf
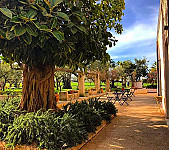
(54, 23)
(6, 12)
(23, 2)
(63, 15)
(10, 35)
(12, 28)
(73, 30)
(31, 30)
(44, 28)
(15, 19)
(2, 33)
(81, 28)
(37, 24)
(54, 3)
(44, 11)
(58, 35)
(31, 14)
(70, 25)
(27, 38)
(19, 30)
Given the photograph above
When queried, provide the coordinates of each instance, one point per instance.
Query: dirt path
(138, 126)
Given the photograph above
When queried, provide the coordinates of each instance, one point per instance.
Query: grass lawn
(146, 84)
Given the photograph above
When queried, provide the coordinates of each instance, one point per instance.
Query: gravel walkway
(139, 126)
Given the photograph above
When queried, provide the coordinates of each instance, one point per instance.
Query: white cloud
(141, 33)
(136, 34)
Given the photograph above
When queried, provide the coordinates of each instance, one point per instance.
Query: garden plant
(50, 129)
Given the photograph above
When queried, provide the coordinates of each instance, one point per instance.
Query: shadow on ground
(139, 126)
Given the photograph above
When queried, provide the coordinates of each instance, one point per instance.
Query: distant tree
(5, 74)
(103, 68)
(152, 75)
(113, 75)
(125, 70)
(15, 77)
(141, 68)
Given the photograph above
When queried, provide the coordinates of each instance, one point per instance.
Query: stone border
(91, 135)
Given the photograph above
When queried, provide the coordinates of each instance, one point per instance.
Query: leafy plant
(8, 111)
(50, 129)
(92, 113)
(47, 130)
(105, 109)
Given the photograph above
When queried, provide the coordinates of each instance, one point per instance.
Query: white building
(163, 56)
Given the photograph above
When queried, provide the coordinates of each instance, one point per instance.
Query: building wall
(163, 56)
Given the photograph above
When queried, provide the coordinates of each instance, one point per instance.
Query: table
(118, 97)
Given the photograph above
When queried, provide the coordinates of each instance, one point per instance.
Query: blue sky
(138, 39)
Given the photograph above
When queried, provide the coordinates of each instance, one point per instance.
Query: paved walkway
(138, 126)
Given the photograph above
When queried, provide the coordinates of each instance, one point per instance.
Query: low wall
(138, 85)
(65, 96)
(151, 90)
(140, 91)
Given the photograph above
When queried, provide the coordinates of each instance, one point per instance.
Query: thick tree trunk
(38, 88)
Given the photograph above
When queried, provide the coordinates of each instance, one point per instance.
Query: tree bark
(38, 88)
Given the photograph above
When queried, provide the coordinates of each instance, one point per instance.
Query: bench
(69, 95)
(91, 91)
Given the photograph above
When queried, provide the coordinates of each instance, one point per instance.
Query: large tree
(43, 33)
(141, 68)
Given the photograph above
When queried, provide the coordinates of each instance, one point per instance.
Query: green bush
(52, 130)
(47, 130)
(105, 109)
(8, 111)
(151, 87)
(85, 114)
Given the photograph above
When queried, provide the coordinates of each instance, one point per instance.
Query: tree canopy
(44, 33)
(58, 32)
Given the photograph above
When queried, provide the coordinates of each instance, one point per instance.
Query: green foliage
(10, 75)
(52, 130)
(151, 86)
(105, 109)
(141, 68)
(91, 113)
(46, 129)
(58, 32)
(84, 113)
(8, 112)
